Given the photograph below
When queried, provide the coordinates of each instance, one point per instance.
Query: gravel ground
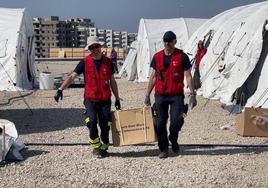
(57, 154)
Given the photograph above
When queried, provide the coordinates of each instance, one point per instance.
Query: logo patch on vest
(175, 63)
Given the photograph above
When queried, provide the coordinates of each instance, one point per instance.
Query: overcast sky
(124, 15)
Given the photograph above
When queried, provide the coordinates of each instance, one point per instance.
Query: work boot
(102, 154)
(175, 148)
(163, 154)
(95, 151)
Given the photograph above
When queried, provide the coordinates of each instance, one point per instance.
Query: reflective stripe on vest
(172, 76)
(97, 83)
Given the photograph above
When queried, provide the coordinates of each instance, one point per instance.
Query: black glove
(117, 104)
(192, 101)
(58, 95)
(147, 101)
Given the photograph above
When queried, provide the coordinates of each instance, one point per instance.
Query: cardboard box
(252, 122)
(128, 127)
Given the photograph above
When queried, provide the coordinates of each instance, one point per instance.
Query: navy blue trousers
(98, 112)
(175, 105)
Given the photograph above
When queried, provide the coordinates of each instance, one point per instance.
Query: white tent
(260, 97)
(260, 75)
(208, 29)
(208, 33)
(234, 47)
(9, 145)
(149, 40)
(16, 50)
(129, 68)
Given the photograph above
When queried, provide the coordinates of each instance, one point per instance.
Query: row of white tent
(235, 67)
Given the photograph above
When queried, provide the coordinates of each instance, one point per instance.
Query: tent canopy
(149, 40)
(235, 42)
(16, 49)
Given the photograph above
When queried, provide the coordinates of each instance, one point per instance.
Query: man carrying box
(170, 65)
(99, 81)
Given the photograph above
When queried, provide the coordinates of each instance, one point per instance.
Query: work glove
(58, 95)
(117, 104)
(147, 101)
(192, 101)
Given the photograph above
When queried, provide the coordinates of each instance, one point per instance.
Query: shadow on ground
(193, 150)
(28, 153)
(44, 120)
(186, 149)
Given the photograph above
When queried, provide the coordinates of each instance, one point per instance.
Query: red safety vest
(169, 80)
(97, 83)
(199, 56)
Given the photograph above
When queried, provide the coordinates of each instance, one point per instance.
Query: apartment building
(111, 39)
(50, 32)
(47, 35)
(77, 31)
(131, 37)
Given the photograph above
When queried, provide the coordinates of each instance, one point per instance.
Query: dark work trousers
(98, 112)
(175, 105)
(196, 78)
(114, 62)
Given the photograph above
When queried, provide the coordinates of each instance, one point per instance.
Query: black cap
(169, 36)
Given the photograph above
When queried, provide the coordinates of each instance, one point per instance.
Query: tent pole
(3, 142)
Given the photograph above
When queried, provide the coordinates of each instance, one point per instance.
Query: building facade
(50, 32)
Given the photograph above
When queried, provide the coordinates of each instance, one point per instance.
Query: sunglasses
(94, 46)
(168, 40)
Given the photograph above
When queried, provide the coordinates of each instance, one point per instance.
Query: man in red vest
(99, 82)
(201, 51)
(169, 66)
